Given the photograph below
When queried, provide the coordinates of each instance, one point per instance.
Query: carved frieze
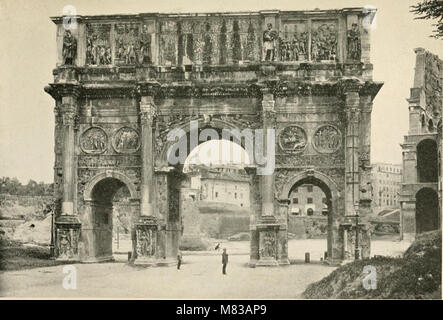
(268, 244)
(335, 159)
(294, 41)
(94, 140)
(292, 139)
(324, 35)
(327, 139)
(108, 161)
(98, 44)
(146, 242)
(126, 140)
(67, 243)
(127, 45)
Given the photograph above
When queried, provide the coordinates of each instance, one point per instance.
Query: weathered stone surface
(131, 79)
(421, 192)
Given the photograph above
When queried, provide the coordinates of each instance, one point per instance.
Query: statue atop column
(269, 37)
(354, 44)
(69, 48)
(145, 46)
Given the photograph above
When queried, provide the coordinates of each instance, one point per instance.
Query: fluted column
(67, 224)
(267, 226)
(352, 194)
(147, 114)
(267, 180)
(147, 228)
(68, 117)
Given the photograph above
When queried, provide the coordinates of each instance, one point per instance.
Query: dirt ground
(199, 278)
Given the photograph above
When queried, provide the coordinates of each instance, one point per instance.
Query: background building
(386, 184)
(224, 184)
(308, 200)
(421, 193)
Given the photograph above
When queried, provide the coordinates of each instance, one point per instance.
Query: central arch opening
(309, 219)
(214, 203)
(111, 217)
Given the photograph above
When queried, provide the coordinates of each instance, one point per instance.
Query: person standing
(224, 260)
(179, 260)
(134, 243)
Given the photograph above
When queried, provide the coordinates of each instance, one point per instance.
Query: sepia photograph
(221, 150)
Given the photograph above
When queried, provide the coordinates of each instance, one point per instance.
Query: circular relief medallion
(327, 139)
(292, 139)
(126, 140)
(94, 140)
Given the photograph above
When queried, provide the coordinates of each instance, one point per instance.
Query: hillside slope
(416, 275)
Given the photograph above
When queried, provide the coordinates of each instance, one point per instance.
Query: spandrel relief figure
(354, 43)
(269, 38)
(69, 48)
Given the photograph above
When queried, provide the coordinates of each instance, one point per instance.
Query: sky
(28, 56)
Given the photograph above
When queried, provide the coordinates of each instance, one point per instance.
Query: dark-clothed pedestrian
(224, 260)
(179, 260)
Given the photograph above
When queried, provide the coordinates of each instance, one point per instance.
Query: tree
(431, 9)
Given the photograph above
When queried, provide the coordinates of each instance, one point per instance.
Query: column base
(98, 259)
(154, 262)
(284, 262)
(67, 230)
(145, 261)
(267, 262)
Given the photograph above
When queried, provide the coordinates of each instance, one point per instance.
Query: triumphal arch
(123, 82)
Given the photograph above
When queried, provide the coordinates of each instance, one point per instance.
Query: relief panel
(98, 44)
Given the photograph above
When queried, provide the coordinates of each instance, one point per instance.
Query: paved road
(199, 278)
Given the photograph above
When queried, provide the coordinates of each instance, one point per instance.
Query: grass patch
(16, 256)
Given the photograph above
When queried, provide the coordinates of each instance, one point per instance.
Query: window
(309, 200)
(216, 194)
(310, 212)
(310, 188)
(295, 200)
(235, 195)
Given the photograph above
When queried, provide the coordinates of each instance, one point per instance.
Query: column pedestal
(268, 242)
(67, 237)
(146, 233)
